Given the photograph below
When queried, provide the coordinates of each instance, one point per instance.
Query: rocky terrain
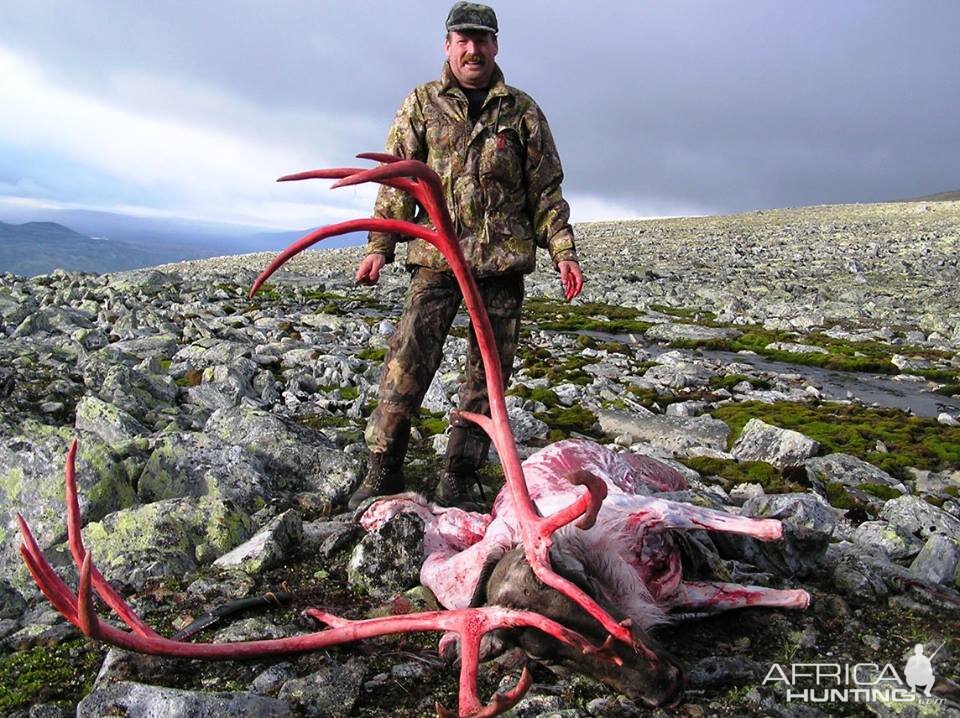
(801, 363)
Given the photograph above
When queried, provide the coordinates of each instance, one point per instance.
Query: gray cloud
(723, 105)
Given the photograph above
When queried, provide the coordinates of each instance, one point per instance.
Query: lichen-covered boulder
(387, 561)
(783, 448)
(137, 700)
(892, 539)
(863, 481)
(939, 560)
(296, 457)
(918, 517)
(330, 692)
(164, 538)
(269, 547)
(678, 434)
(111, 423)
(32, 462)
(194, 464)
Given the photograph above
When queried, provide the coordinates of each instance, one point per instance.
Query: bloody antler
(424, 185)
(470, 624)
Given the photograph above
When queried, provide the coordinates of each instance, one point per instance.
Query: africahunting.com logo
(825, 682)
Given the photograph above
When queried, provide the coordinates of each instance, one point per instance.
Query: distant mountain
(40, 247)
(37, 241)
(939, 197)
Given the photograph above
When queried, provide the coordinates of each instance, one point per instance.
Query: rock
(808, 524)
(268, 548)
(945, 419)
(526, 426)
(668, 332)
(867, 484)
(686, 408)
(111, 423)
(795, 348)
(889, 538)
(296, 457)
(193, 464)
(675, 433)
(781, 447)
(329, 693)
(679, 376)
(916, 516)
(271, 680)
(137, 700)
(325, 537)
(387, 561)
(715, 671)
(939, 560)
(164, 538)
(855, 578)
(12, 604)
(31, 482)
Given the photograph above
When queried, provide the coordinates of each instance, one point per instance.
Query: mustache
(472, 58)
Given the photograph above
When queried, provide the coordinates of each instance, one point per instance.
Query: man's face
(471, 57)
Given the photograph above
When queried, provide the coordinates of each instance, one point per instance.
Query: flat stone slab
(674, 433)
(137, 700)
(669, 332)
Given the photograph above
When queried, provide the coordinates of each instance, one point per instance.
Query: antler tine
(379, 157)
(75, 542)
(334, 173)
(334, 230)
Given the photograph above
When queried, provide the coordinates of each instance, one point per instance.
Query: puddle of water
(878, 389)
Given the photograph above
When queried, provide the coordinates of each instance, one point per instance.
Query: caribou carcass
(628, 561)
(529, 526)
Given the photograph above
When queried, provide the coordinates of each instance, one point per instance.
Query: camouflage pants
(416, 349)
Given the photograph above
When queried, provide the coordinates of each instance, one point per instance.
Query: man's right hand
(369, 270)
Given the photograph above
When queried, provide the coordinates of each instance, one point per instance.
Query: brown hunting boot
(466, 451)
(384, 477)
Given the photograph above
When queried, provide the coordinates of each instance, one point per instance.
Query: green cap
(466, 16)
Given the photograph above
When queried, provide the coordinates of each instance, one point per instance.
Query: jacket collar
(449, 84)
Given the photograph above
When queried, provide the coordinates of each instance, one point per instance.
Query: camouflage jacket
(501, 178)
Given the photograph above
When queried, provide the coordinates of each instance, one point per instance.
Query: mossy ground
(732, 472)
(592, 316)
(61, 674)
(905, 441)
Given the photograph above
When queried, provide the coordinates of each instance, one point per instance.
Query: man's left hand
(571, 278)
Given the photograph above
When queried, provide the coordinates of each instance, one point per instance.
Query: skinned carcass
(628, 561)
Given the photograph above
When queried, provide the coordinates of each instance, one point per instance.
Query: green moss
(852, 429)
(320, 421)
(731, 380)
(589, 316)
(61, 673)
(649, 398)
(193, 377)
(349, 393)
(430, 423)
(566, 420)
(743, 472)
(838, 497)
(953, 491)
(684, 313)
(881, 491)
(949, 389)
(373, 354)
(539, 362)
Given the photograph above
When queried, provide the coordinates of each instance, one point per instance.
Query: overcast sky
(191, 108)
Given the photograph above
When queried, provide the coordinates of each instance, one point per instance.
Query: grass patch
(540, 362)
(429, 423)
(349, 393)
(851, 429)
(949, 389)
(322, 421)
(743, 472)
